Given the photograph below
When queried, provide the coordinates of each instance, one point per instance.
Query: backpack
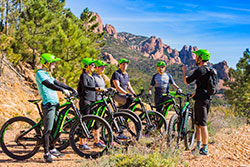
(212, 81)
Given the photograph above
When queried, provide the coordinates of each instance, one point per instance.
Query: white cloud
(233, 8)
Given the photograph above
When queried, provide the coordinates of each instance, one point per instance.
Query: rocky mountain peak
(110, 30)
(222, 69)
(100, 25)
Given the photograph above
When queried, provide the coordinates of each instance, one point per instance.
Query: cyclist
(47, 87)
(120, 81)
(87, 93)
(161, 81)
(99, 76)
(202, 99)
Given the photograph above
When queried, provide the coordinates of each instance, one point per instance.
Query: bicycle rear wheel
(190, 132)
(94, 127)
(19, 138)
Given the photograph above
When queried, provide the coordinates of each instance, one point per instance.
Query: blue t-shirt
(47, 94)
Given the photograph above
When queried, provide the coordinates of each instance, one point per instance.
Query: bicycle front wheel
(153, 124)
(90, 133)
(19, 138)
(190, 132)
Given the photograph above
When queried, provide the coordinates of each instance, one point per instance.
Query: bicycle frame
(58, 126)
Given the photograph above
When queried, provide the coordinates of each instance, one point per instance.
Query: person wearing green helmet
(47, 87)
(120, 81)
(99, 76)
(161, 81)
(87, 94)
(201, 97)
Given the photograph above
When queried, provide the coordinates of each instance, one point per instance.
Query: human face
(51, 66)
(100, 69)
(91, 67)
(123, 67)
(161, 69)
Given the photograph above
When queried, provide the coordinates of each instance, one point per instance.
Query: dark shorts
(201, 108)
(159, 98)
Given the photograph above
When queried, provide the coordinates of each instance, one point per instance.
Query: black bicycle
(153, 122)
(181, 124)
(21, 137)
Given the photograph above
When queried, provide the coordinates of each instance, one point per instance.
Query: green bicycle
(181, 124)
(21, 137)
(153, 122)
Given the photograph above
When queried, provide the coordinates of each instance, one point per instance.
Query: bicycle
(169, 105)
(21, 137)
(153, 122)
(122, 121)
(181, 124)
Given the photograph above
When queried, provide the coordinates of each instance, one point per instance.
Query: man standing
(47, 87)
(161, 81)
(201, 97)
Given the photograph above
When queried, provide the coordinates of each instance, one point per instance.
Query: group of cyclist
(91, 82)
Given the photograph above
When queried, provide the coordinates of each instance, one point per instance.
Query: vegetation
(40, 26)
(238, 95)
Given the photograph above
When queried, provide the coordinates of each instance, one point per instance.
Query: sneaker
(84, 146)
(56, 153)
(99, 144)
(203, 151)
(48, 157)
(122, 137)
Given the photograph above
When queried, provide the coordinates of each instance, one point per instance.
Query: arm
(63, 85)
(86, 86)
(184, 74)
(130, 89)
(151, 85)
(52, 86)
(118, 87)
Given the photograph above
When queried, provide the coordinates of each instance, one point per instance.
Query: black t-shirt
(86, 87)
(122, 78)
(201, 76)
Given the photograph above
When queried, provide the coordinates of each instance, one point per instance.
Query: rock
(110, 30)
(222, 70)
(108, 58)
(100, 25)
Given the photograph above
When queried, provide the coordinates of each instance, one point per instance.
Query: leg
(204, 134)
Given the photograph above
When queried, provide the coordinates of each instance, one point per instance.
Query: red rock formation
(100, 25)
(108, 58)
(110, 30)
(222, 69)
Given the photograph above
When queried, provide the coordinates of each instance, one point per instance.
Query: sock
(204, 147)
(199, 144)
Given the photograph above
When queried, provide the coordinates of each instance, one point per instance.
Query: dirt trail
(231, 148)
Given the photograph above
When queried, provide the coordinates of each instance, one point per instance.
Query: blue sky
(222, 27)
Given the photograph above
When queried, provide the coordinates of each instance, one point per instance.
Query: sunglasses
(92, 64)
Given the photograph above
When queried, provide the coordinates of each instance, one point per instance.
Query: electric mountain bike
(21, 137)
(153, 122)
(123, 122)
(181, 124)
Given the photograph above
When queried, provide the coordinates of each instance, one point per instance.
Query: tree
(239, 83)
(38, 24)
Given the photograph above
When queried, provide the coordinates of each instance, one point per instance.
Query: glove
(179, 91)
(66, 92)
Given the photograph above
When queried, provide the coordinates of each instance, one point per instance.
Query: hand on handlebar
(179, 91)
(66, 92)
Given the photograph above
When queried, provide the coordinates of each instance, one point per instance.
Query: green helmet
(161, 63)
(48, 58)
(87, 61)
(123, 60)
(204, 54)
(99, 63)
